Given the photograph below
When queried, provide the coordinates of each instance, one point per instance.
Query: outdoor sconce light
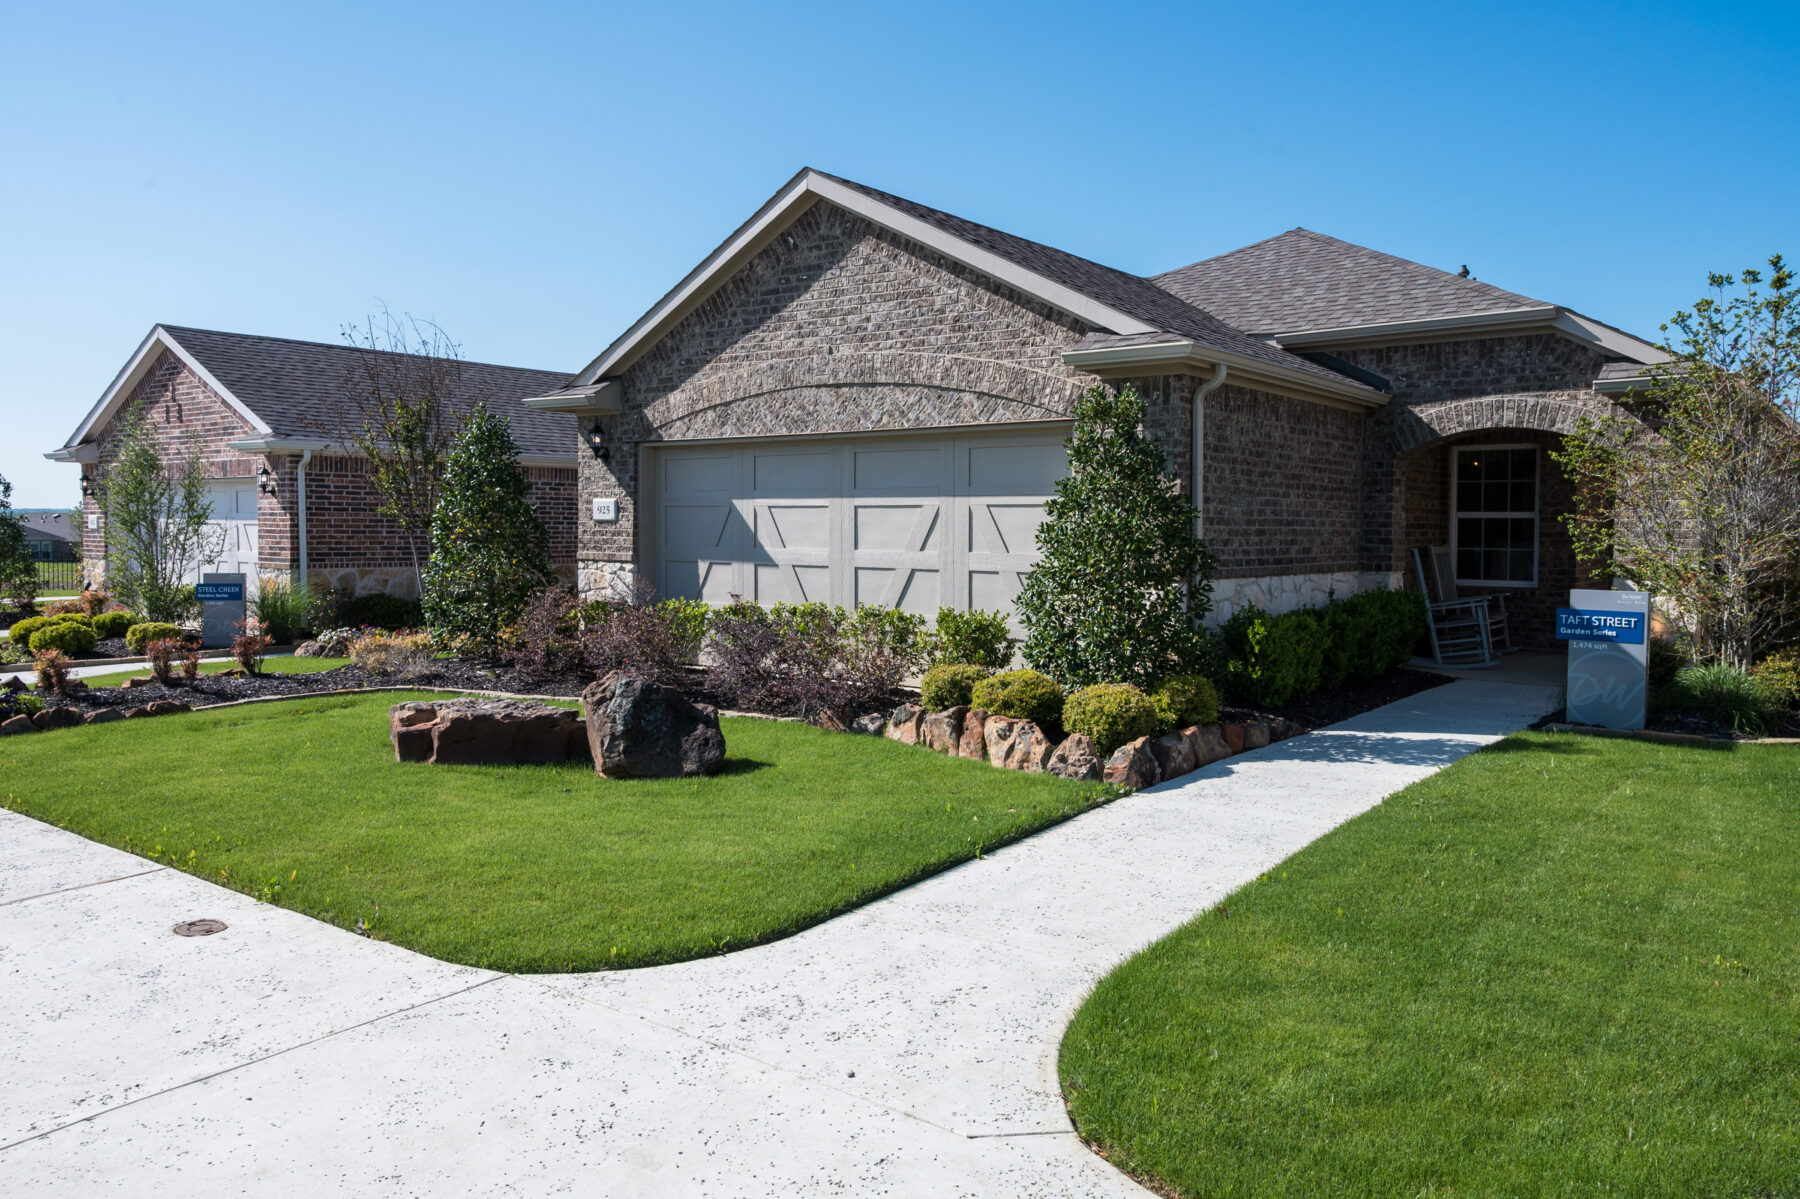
(87, 486)
(596, 440)
(265, 481)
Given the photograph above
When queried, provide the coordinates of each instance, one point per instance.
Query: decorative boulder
(973, 744)
(942, 731)
(1132, 765)
(1174, 755)
(640, 729)
(472, 731)
(905, 723)
(103, 716)
(1029, 749)
(339, 648)
(1207, 743)
(17, 724)
(1234, 736)
(996, 737)
(1256, 734)
(57, 718)
(12, 683)
(137, 713)
(874, 724)
(165, 707)
(309, 649)
(1075, 759)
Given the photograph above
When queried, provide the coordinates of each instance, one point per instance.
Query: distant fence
(59, 576)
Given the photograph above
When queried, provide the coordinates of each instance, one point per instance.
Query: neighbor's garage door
(915, 523)
(234, 526)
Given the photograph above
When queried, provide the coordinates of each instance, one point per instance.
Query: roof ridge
(330, 345)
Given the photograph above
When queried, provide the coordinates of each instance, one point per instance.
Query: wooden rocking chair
(1459, 626)
(1443, 570)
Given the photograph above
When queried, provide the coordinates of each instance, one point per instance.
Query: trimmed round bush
(113, 624)
(1186, 699)
(22, 630)
(1779, 675)
(65, 635)
(1110, 714)
(140, 635)
(950, 684)
(80, 618)
(1021, 694)
(382, 611)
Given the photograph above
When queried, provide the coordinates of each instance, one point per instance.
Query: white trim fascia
(1512, 320)
(605, 398)
(293, 445)
(800, 194)
(121, 387)
(88, 452)
(1182, 355)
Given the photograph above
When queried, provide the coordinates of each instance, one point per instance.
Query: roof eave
(604, 398)
(801, 193)
(1180, 355)
(1545, 318)
(299, 445)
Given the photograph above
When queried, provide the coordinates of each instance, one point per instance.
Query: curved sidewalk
(906, 1048)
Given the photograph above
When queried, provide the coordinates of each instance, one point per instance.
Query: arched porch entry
(1477, 475)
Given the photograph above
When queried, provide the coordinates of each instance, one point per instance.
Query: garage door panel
(790, 472)
(998, 469)
(710, 582)
(696, 526)
(791, 583)
(910, 470)
(1004, 528)
(692, 475)
(793, 527)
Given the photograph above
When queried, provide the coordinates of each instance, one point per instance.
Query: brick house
(859, 399)
(289, 502)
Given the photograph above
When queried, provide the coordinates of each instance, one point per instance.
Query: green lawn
(1564, 966)
(527, 868)
(286, 664)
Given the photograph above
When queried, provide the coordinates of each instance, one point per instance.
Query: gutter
(300, 518)
(1180, 355)
(1199, 454)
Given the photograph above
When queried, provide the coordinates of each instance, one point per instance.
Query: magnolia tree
(158, 522)
(489, 552)
(1124, 581)
(1691, 490)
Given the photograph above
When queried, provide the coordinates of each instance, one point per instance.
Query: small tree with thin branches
(1692, 489)
(158, 521)
(18, 572)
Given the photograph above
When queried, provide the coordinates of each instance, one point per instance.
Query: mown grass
(1565, 966)
(284, 664)
(525, 868)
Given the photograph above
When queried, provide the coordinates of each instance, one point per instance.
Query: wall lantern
(265, 481)
(596, 440)
(87, 486)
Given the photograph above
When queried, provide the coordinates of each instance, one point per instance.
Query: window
(1494, 528)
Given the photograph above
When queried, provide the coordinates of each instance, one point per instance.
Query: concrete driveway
(907, 1048)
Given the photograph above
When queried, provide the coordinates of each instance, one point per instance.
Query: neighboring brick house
(50, 536)
(289, 500)
(860, 399)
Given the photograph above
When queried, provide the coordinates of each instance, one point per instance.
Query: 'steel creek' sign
(219, 593)
(1609, 658)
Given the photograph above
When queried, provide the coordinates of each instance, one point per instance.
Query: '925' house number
(606, 509)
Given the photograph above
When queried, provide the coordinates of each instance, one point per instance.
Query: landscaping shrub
(190, 661)
(73, 606)
(22, 630)
(283, 612)
(139, 636)
(1368, 634)
(18, 703)
(1273, 658)
(97, 601)
(1024, 694)
(378, 610)
(877, 647)
(1110, 714)
(113, 624)
(1123, 585)
(406, 655)
(80, 618)
(1667, 658)
(811, 660)
(686, 619)
(489, 551)
(640, 636)
(1183, 701)
(949, 684)
(248, 650)
(972, 638)
(67, 636)
(162, 654)
(1779, 676)
(52, 667)
(1724, 694)
(547, 640)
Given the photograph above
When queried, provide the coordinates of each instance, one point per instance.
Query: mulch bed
(217, 689)
(1321, 708)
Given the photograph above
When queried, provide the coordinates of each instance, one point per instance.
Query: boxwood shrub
(66, 635)
(140, 635)
(1023, 694)
(22, 630)
(972, 638)
(113, 624)
(949, 684)
(1110, 714)
(1186, 699)
(1273, 658)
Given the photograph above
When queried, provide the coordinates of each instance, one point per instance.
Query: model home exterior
(287, 496)
(859, 399)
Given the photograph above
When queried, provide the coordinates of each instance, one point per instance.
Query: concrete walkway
(908, 1048)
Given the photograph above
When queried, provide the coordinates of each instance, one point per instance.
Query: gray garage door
(915, 523)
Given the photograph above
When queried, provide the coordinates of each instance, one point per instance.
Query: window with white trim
(1494, 527)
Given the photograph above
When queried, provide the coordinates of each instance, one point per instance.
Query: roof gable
(1301, 280)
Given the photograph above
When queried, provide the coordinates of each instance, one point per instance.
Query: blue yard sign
(1581, 624)
(1608, 657)
(219, 593)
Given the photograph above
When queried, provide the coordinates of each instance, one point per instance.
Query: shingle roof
(49, 526)
(286, 383)
(1301, 280)
(1130, 294)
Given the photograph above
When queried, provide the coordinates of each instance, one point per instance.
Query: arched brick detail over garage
(1553, 412)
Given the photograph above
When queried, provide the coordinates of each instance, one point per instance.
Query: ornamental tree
(18, 573)
(489, 552)
(1691, 490)
(1124, 582)
(158, 522)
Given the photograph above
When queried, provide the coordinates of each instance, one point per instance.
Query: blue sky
(533, 176)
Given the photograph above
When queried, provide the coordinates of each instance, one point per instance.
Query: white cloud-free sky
(533, 176)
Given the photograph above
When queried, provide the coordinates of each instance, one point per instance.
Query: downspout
(1199, 449)
(300, 516)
